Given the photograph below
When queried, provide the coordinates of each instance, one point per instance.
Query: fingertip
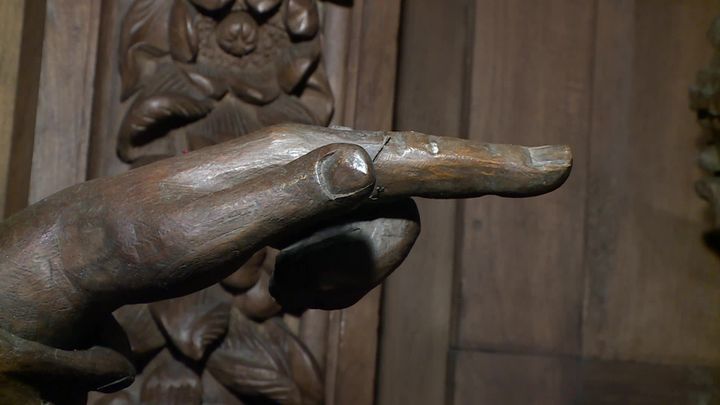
(345, 171)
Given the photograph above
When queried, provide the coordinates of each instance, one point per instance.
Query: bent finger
(200, 241)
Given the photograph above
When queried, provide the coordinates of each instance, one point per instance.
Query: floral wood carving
(213, 70)
(208, 71)
(705, 101)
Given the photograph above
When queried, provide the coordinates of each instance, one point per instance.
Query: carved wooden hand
(336, 201)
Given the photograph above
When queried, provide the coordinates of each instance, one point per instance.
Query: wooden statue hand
(336, 201)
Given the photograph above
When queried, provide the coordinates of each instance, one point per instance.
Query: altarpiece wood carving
(211, 71)
(158, 284)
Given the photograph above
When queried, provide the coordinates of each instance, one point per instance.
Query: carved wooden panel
(180, 75)
(215, 70)
(704, 96)
(193, 74)
(632, 288)
(358, 56)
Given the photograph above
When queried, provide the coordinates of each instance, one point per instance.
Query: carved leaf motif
(143, 33)
(254, 360)
(317, 96)
(195, 321)
(140, 327)
(302, 18)
(215, 393)
(230, 119)
(298, 63)
(286, 109)
(169, 381)
(262, 6)
(169, 78)
(153, 117)
(305, 370)
(182, 34)
(259, 86)
(210, 86)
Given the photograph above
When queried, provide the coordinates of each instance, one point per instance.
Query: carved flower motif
(212, 70)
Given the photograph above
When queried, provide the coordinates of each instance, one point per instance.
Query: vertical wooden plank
(521, 283)
(496, 378)
(62, 128)
(610, 383)
(23, 130)
(368, 103)
(108, 110)
(653, 289)
(11, 19)
(417, 298)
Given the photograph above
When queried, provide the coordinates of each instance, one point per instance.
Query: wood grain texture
(25, 106)
(351, 347)
(11, 19)
(108, 110)
(417, 298)
(497, 378)
(367, 103)
(520, 272)
(62, 129)
(653, 288)
(608, 383)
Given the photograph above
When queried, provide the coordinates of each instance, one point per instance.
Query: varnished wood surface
(653, 288)
(108, 109)
(514, 379)
(11, 19)
(413, 353)
(65, 96)
(367, 102)
(498, 378)
(611, 267)
(349, 346)
(611, 270)
(521, 263)
(25, 108)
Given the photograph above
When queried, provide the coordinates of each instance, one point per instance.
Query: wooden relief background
(69, 110)
(600, 293)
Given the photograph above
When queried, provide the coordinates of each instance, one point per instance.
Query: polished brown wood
(195, 219)
(190, 74)
(64, 96)
(611, 269)
(108, 112)
(25, 110)
(502, 378)
(531, 299)
(494, 378)
(702, 101)
(11, 20)
(365, 100)
(415, 331)
(652, 286)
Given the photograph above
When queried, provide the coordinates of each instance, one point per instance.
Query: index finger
(407, 164)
